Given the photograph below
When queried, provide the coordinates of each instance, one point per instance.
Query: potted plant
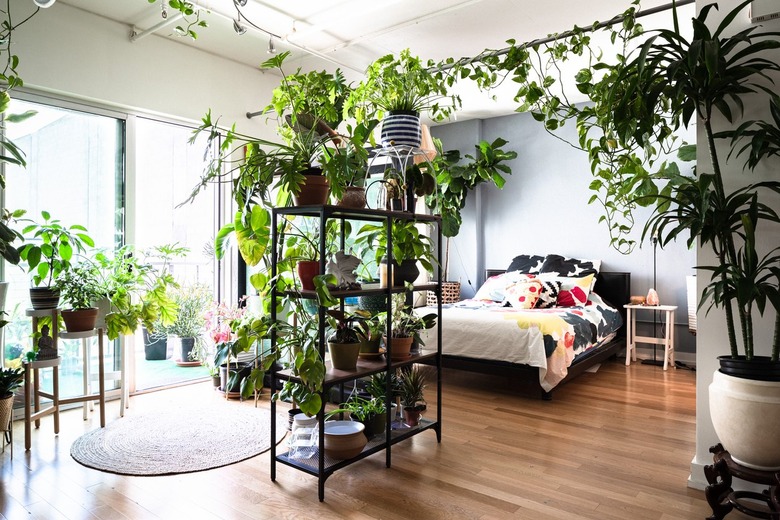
(48, 251)
(412, 395)
(219, 320)
(308, 107)
(10, 380)
(398, 89)
(371, 412)
(405, 328)
(186, 331)
(346, 166)
(138, 288)
(668, 82)
(409, 247)
(81, 287)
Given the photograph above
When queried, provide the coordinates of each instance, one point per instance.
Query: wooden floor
(616, 444)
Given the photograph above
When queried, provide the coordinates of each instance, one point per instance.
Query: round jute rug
(179, 440)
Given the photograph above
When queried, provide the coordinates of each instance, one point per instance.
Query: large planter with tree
(454, 182)
(638, 103)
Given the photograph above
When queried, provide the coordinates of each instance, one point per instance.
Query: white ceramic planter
(746, 417)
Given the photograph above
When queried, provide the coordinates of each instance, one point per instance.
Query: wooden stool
(722, 498)
(31, 374)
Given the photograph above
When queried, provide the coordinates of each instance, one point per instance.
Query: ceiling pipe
(135, 36)
(616, 20)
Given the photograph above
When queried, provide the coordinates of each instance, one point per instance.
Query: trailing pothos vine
(627, 173)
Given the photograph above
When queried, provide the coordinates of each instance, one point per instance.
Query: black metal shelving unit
(320, 465)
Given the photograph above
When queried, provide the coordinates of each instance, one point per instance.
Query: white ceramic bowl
(303, 421)
(344, 439)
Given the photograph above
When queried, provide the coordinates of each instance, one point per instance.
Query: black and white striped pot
(401, 128)
(44, 297)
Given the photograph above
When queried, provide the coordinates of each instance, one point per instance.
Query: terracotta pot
(344, 439)
(354, 197)
(307, 270)
(343, 356)
(314, 191)
(746, 416)
(399, 348)
(79, 320)
(412, 416)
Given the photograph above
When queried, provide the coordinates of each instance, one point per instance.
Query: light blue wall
(544, 209)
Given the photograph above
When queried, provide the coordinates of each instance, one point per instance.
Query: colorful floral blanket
(545, 338)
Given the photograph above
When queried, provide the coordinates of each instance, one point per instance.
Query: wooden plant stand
(722, 498)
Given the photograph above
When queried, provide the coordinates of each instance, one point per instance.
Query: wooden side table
(667, 341)
(32, 379)
(88, 396)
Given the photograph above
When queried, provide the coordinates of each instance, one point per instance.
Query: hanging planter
(401, 128)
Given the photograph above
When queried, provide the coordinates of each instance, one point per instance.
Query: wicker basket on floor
(450, 293)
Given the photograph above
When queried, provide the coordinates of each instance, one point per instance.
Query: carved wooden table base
(722, 498)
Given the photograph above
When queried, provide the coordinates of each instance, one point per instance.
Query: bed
(539, 348)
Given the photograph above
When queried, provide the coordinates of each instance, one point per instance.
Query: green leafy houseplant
(454, 182)
(192, 302)
(8, 235)
(707, 76)
(408, 242)
(10, 380)
(137, 289)
(81, 286)
(402, 83)
(50, 248)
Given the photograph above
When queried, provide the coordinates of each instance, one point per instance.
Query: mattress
(549, 339)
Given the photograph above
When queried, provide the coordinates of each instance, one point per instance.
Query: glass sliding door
(75, 169)
(166, 169)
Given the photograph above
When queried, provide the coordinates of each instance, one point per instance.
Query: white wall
(544, 209)
(711, 340)
(70, 52)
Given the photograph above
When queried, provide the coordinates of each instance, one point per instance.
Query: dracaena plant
(707, 76)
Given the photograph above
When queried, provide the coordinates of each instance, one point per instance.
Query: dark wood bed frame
(613, 287)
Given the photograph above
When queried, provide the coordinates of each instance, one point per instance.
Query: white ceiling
(350, 34)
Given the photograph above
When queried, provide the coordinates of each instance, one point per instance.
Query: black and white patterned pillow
(528, 264)
(548, 297)
(563, 266)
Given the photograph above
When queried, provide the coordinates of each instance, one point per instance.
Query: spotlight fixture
(164, 12)
(271, 46)
(240, 29)
(44, 3)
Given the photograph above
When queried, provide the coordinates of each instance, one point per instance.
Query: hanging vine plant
(626, 173)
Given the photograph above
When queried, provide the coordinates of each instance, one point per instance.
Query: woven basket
(450, 293)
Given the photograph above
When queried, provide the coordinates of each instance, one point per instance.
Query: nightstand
(667, 340)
